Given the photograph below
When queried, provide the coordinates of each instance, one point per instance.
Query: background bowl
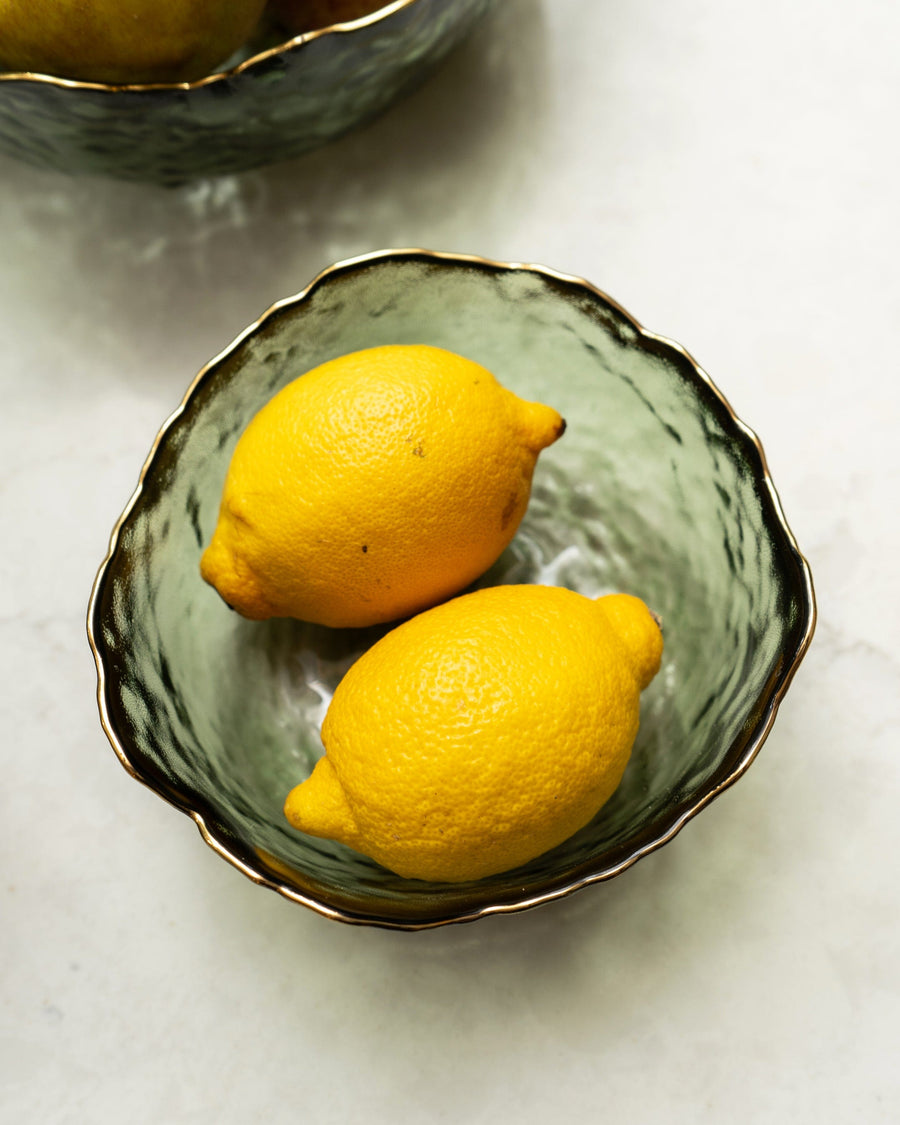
(275, 104)
(656, 489)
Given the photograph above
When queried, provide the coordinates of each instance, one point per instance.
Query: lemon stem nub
(318, 806)
(640, 632)
(541, 425)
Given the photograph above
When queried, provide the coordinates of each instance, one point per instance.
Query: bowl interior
(655, 489)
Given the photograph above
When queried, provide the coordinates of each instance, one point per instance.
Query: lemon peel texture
(482, 732)
(374, 486)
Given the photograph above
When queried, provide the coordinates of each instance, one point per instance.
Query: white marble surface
(729, 173)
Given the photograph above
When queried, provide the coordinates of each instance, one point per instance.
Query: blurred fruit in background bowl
(274, 99)
(137, 41)
(299, 16)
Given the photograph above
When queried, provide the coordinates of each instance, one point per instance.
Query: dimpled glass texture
(655, 489)
(277, 104)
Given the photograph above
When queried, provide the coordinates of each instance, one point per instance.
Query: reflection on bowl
(277, 103)
(657, 489)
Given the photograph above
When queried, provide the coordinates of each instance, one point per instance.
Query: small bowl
(282, 100)
(657, 489)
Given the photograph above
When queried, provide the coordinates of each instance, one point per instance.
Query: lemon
(482, 732)
(373, 486)
(111, 41)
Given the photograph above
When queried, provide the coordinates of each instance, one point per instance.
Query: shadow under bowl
(278, 103)
(657, 489)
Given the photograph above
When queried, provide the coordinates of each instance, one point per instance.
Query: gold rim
(293, 44)
(527, 903)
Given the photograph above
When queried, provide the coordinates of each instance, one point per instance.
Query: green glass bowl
(280, 101)
(656, 489)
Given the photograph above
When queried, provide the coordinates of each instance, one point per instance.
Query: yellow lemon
(374, 486)
(483, 732)
(111, 41)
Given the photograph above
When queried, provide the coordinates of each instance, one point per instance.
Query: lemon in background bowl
(276, 99)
